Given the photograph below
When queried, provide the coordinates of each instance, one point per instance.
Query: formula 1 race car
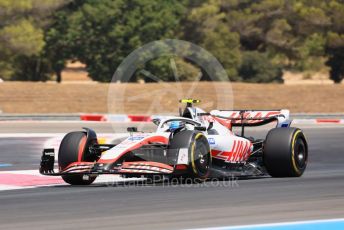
(196, 145)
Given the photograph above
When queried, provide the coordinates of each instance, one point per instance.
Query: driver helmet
(176, 125)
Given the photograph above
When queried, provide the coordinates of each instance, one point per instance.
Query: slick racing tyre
(200, 157)
(285, 152)
(73, 148)
(198, 153)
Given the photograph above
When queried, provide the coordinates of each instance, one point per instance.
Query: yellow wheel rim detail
(297, 170)
(198, 135)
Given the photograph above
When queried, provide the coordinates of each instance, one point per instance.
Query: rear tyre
(73, 149)
(285, 152)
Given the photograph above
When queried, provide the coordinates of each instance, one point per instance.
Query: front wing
(94, 168)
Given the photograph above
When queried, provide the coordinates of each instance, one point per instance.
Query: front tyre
(285, 152)
(200, 157)
(79, 179)
(73, 149)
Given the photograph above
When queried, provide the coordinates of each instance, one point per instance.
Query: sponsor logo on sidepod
(135, 138)
(211, 141)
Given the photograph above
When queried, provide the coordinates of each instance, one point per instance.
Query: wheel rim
(300, 153)
(201, 158)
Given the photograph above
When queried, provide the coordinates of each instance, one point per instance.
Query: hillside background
(256, 41)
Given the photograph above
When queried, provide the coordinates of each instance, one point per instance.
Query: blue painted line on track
(5, 165)
(333, 224)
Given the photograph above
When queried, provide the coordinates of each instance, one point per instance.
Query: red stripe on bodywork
(240, 152)
(223, 155)
(146, 141)
(243, 154)
(234, 150)
(224, 122)
(77, 164)
(147, 163)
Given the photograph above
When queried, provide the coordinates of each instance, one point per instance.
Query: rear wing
(254, 117)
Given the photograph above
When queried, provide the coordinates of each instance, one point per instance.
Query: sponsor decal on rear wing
(253, 117)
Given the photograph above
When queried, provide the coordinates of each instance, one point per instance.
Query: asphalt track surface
(319, 194)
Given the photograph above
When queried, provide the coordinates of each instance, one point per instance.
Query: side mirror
(211, 124)
(132, 129)
(200, 128)
(156, 121)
